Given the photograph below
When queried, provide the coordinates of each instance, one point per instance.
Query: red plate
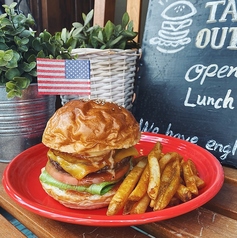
(21, 182)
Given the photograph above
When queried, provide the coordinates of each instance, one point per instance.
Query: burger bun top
(89, 127)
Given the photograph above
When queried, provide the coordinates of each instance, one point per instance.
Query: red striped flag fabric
(63, 77)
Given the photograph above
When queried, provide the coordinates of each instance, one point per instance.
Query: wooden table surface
(217, 218)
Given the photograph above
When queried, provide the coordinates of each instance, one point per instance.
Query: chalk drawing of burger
(173, 35)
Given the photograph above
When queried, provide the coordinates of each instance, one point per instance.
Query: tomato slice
(93, 178)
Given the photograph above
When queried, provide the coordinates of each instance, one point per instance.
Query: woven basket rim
(105, 51)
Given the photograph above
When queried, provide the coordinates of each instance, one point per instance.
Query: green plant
(16, 71)
(110, 36)
(19, 48)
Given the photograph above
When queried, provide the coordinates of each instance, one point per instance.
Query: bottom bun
(77, 200)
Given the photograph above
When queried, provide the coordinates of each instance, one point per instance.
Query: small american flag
(63, 76)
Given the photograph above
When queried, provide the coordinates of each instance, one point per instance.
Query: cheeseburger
(91, 143)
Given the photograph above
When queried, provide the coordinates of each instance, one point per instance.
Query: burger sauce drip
(111, 162)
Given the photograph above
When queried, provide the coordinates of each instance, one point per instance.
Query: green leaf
(11, 6)
(99, 40)
(125, 20)
(11, 85)
(130, 26)
(14, 88)
(8, 55)
(72, 43)
(30, 21)
(19, 19)
(3, 62)
(109, 29)
(51, 48)
(16, 56)
(13, 63)
(23, 48)
(22, 82)
(2, 38)
(45, 36)
(2, 53)
(129, 34)
(29, 54)
(3, 16)
(3, 46)
(31, 57)
(11, 73)
(89, 17)
(14, 93)
(28, 67)
(100, 36)
(37, 44)
(41, 54)
(64, 35)
(5, 21)
(118, 29)
(115, 41)
(17, 40)
(26, 33)
(77, 25)
(33, 73)
(122, 45)
(77, 31)
(83, 16)
(93, 29)
(24, 41)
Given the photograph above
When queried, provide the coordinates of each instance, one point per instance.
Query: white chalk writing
(211, 145)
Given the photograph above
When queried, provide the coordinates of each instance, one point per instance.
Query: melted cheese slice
(79, 168)
(123, 153)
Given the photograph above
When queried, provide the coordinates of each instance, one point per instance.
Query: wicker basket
(112, 75)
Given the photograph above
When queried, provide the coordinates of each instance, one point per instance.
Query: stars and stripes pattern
(63, 77)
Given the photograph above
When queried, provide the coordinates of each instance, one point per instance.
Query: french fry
(189, 178)
(183, 193)
(166, 158)
(192, 166)
(119, 199)
(154, 170)
(128, 207)
(141, 187)
(170, 180)
(199, 182)
(152, 203)
(139, 191)
(141, 206)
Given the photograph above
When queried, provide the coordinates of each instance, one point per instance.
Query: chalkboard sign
(187, 79)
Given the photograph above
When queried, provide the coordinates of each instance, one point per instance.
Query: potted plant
(113, 55)
(19, 48)
(23, 113)
(110, 36)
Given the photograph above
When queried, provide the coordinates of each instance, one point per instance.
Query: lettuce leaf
(99, 189)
